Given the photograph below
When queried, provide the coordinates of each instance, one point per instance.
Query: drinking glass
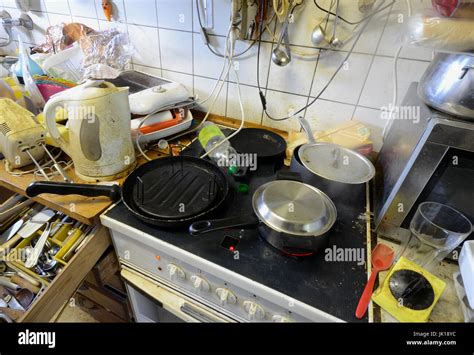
(436, 230)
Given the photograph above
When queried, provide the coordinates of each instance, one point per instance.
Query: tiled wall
(166, 37)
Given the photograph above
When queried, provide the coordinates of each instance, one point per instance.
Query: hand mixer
(22, 138)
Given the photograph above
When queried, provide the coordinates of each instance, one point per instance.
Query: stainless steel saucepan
(292, 216)
(448, 84)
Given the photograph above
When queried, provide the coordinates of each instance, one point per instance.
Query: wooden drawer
(114, 303)
(58, 292)
(99, 313)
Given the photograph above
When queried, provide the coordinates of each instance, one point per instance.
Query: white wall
(166, 37)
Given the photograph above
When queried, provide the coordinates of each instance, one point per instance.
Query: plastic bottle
(224, 155)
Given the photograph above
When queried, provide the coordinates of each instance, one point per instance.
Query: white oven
(153, 301)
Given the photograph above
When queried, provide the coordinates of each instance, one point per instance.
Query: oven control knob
(225, 296)
(200, 284)
(277, 318)
(254, 311)
(175, 272)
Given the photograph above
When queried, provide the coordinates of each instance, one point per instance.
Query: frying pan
(266, 144)
(166, 192)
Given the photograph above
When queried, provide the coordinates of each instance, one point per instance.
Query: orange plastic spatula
(382, 259)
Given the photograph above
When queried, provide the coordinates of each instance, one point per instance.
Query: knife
(36, 222)
(15, 227)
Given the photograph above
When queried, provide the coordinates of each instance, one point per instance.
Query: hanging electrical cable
(297, 112)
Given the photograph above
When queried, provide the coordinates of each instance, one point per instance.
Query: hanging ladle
(280, 57)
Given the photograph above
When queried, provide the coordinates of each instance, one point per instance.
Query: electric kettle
(97, 136)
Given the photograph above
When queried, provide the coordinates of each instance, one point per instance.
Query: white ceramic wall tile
(250, 100)
(347, 85)
(374, 122)
(9, 3)
(90, 22)
(178, 50)
(37, 5)
(141, 12)
(246, 64)
(295, 77)
(394, 33)
(324, 115)
(206, 63)
(175, 14)
(146, 45)
(149, 70)
(202, 88)
(281, 105)
(118, 11)
(83, 8)
(57, 6)
(56, 19)
(40, 24)
(378, 90)
(221, 17)
(185, 79)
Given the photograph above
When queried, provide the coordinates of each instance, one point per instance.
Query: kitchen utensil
(5, 318)
(12, 314)
(448, 83)
(382, 259)
(14, 211)
(36, 222)
(56, 165)
(266, 145)
(10, 232)
(335, 42)
(11, 202)
(25, 297)
(19, 134)
(318, 35)
(167, 192)
(411, 289)
(280, 57)
(436, 230)
(292, 216)
(338, 171)
(4, 281)
(454, 8)
(23, 283)
(32, 259)
(100, 147)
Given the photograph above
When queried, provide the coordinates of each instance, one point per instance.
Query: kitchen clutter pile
(77, 120)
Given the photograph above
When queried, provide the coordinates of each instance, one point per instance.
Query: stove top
(332, 280)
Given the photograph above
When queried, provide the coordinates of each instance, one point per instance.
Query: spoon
(318, 35)
(382, 259)
(280, 57)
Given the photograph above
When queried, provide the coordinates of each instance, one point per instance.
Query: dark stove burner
(289, 252)
(411, 289)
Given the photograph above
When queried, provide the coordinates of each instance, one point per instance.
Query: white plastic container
(466, 265)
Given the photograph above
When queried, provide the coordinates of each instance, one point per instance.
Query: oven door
(153, 301)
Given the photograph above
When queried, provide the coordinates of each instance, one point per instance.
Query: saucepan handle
(59, 188)
(212, 225)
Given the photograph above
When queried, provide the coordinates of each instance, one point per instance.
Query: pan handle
(212, 225)
(60, 188)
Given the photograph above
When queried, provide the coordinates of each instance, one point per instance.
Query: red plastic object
(446, 8)
(382, 259)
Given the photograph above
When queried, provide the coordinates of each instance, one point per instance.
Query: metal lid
(336, 163)
(294, 207)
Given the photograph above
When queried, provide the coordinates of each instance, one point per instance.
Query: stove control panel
(236, 296)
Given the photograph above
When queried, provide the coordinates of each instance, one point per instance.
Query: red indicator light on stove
(231, 248)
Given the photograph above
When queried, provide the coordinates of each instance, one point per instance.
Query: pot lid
(336, 163)
(294, 207)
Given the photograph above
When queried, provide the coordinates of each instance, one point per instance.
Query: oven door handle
(189, 310)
